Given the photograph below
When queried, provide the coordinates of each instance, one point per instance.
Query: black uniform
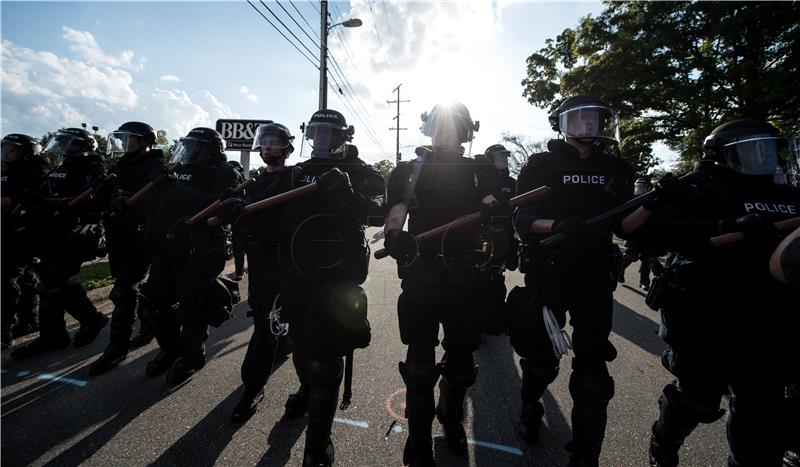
(575, 276)
(326, 257)
(20, 307)
(72, 238)
(727, 321)
(185, 265)
(438, 288)
(129, 254)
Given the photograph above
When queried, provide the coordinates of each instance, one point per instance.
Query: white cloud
(248, 94)
(85, 46)
(172, 78)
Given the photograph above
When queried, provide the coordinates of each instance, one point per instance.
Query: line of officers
(728, 322)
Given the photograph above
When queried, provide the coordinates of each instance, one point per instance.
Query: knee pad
(689, 407)
(419, 375)
(327, 372)
(122, 296)
(459, 370)
(536, 373)
(594, 387)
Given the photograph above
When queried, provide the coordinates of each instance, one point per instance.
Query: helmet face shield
(124, 141)
(500, 159)
(66, 145)
(589, 121)
(762, 155)
(11, 151)
(189, 151)
(326, 139)
(640, 188)
(447, 126)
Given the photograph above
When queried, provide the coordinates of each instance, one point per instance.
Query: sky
(180, 65)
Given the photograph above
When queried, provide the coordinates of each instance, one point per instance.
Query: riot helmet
(70, 142)
(642, 186)
(448, 125)
(200, 146)
(131, 138)
(237, 167)
(273, 141)
(586, 119)
(328, 132)
(752, 147)
(498, 155)
(17, 146)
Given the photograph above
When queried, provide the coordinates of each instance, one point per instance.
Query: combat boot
(297, 403)
(112, 356)
(247, 405)
(161, 363)
(40, 346)
(89, 332)
(183, 368)
(530, 420)
(319, 459)
(450, 413)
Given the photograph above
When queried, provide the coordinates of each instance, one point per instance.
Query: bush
(94, 276)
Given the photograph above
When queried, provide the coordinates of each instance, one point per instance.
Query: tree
(675, 70)
(385, 167)
(521, 150)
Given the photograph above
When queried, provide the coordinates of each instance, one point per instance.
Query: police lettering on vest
(308, 178)
(184, 176)
(771, 207)
(58, 174)
(584, 179)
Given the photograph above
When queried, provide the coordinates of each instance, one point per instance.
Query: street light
(324, 29)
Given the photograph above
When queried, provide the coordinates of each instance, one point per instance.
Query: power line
(374, 23)
(316, 65)
(367, 129)
(286, 27)
(313, 41)
(315, 6)
(303, 17)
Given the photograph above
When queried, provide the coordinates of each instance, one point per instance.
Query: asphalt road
(54, 413)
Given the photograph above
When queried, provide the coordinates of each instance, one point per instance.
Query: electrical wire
(316, 64)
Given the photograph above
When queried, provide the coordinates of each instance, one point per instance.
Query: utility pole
(397, 117)
(323, 55)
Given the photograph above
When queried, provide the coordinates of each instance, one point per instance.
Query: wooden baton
(211, 207)
(273, 200)
(734, 237)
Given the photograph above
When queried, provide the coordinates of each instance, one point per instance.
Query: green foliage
(94, 275)
(385, 167)
(676, 70)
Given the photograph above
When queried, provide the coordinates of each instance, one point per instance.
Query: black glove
(494, 212)
(226, 194)
(334, 186)
(753, 226)
(401, 245)
(163, 181)
(669, 189)
(118, 204)
(230, 210)
(180, 229)
(570, 227)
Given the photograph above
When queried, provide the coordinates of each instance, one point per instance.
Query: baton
(149, 186)
(557, 238)
(87, 192)
(734, 237)
(471, 218)
(273, 200)
(205, 212)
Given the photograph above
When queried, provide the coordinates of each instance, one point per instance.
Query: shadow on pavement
(637, 329)
(282, 439)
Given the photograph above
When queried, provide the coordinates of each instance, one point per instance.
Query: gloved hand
(753, 226)
(668, 189)
(334, 186)
(180, 229)
(401, 245)
(163, 181)
(570, 227)
(226, 194)
(230, 210)
(493, 212)
(118, 204)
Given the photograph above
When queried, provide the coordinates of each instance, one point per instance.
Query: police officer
(500, 235)
(575, 275)
(715, 298)
(438, 278)
(188, 258)
(260, 239)
(129, 255)
(326, 256)
(237, 243)
(73, 236)
(634, 250)
(23, 169)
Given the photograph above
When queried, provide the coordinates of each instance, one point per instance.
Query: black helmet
(201, 145)
(642, 186)
(274, 135)
(131, 137)
(449, 121)
(236, 166)
(70, 141)
(328, 131)
(498, 155)
(751, 147)
(585, 117)
(25, 145)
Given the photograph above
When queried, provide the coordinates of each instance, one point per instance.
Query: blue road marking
(356, 423)
(23, 373)
(76, 382)
(497, 447)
